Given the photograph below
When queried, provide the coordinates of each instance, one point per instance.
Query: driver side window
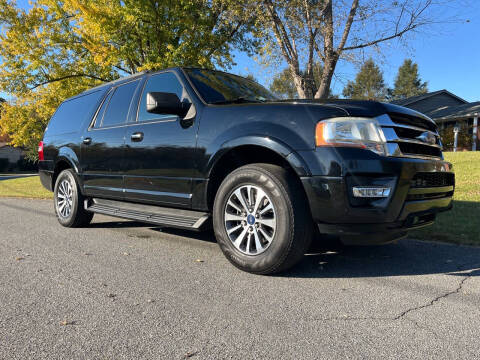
(164, 82)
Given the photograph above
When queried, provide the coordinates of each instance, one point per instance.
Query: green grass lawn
(461, 225)
(29, 187)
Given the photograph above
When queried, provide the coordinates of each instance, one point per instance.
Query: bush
(4, 165)
(26, 165)
(464, 139)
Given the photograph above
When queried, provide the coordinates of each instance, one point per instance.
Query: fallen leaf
(19, 258)
(66, 323)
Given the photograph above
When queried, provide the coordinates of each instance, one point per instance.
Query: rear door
(104, 144)
(160, 149)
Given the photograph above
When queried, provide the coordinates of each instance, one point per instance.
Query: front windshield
(217, 87)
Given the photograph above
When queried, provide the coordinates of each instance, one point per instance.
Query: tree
(283, 85)
(368, 84)
(327, 31)
(408, 82)
(58, 48)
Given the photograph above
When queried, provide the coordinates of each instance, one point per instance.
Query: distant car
(182, 147)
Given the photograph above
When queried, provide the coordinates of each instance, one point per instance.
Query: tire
(67, 193)
(280, 236)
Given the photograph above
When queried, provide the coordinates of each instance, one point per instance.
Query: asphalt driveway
(15, 176)
(124, 290)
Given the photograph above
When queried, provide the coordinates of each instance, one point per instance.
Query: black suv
(186, 147)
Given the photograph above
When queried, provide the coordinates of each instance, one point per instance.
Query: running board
(168, 217)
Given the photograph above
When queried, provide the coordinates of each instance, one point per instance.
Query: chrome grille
(410, 137)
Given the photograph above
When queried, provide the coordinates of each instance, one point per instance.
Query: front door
(104, 144)
(160, 149)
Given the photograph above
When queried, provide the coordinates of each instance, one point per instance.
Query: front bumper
(409, 206)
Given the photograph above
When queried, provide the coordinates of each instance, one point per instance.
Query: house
(447, 110)
(429, 102)
(12, 154)
(9, 155)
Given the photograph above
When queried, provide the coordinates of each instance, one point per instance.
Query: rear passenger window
(101, 112)
(72, 114)
(116, 110)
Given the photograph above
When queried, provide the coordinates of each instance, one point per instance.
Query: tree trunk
(299, 83)
(324, 87)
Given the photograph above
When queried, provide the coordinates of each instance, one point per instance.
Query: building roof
(446, 113)
(414, 99)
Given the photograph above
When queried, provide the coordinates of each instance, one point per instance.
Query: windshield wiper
(238, 100)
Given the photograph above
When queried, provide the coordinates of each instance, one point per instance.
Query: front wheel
(261, 219)
(68, 201)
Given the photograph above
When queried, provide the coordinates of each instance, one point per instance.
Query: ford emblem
(428, 138)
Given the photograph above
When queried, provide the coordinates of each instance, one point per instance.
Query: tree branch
(393, 36)
(67, 77)
(348, 25)
(412, 24)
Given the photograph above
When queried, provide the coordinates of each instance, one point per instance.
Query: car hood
(360, 107)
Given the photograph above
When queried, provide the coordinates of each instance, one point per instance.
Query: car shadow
(207, 235)
(403, 258)
(121, 224)
(328, 258)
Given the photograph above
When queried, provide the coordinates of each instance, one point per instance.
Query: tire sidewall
(67, 221)
(275, 254)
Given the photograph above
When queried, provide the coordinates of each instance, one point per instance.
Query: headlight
(351, 131)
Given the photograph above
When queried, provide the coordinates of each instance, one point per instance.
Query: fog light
(371, 191)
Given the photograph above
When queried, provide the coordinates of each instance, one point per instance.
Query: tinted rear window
(119, 104)
(72, 114)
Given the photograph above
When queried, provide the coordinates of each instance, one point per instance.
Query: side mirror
(166, 103)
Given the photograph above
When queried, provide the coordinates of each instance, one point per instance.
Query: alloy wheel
(65, 198)
(250, 219)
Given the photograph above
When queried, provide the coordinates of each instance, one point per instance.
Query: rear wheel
(261, 219)
(68, 201)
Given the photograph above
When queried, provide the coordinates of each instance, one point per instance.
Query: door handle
(137, 136)
(87, 141)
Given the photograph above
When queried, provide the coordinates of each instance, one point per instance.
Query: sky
(448, 57)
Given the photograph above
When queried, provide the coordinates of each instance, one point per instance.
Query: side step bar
(168, 217)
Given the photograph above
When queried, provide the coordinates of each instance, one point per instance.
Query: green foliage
(284, 87)
(408, 82)
(464, 139)
(368, 84)
(59, 48)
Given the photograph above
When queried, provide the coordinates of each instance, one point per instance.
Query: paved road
(15, 176)
(123, 290)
